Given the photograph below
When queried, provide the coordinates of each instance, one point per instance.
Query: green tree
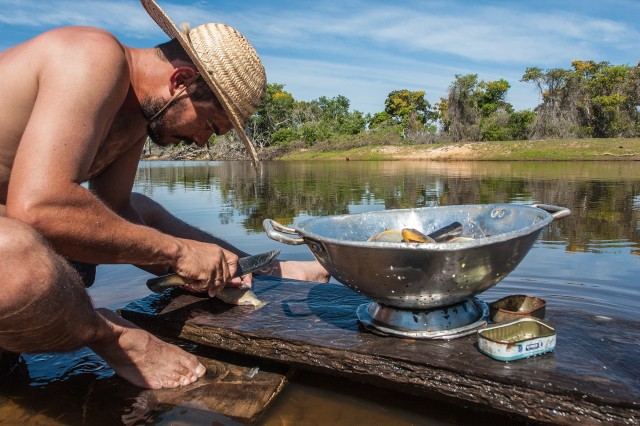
(335, 113)
(613, 111)
(409, 110)
(519, 124)
(274, 114)
(462, 116)
(491, 97)
(593, 99)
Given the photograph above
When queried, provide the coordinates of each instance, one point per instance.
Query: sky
(365, 49)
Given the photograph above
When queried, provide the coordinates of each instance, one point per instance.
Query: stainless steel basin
(422, 275)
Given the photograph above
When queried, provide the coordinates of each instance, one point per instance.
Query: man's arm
(156, 216)
(80, 91)
(72, 114)
(114, 187)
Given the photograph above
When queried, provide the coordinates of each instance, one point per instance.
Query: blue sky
(366, 49)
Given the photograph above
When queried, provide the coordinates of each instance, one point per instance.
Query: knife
(246, 265)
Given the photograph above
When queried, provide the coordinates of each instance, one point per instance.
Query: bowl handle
(281, 233)
(556, 211)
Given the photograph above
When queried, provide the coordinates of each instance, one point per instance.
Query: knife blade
(246, 265)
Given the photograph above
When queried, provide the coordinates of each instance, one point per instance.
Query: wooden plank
(239, 391)
(231, 390)
(593, 376)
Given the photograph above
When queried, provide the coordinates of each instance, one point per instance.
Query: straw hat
(227, 62)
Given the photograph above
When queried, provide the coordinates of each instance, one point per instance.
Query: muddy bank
(542, 150)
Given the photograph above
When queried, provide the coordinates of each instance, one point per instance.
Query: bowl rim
(446, 246)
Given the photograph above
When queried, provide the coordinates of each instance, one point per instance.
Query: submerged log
(593, 375)
(234, 391)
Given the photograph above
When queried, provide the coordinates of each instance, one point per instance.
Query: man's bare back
(73, 78)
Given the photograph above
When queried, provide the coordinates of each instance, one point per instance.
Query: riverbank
(541, 150)
(616, 149)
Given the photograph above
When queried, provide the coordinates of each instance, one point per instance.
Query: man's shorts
(87, 271)
(8, 362)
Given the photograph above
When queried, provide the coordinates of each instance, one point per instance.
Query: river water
(589, 261)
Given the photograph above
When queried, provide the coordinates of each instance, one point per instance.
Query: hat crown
(233, 64)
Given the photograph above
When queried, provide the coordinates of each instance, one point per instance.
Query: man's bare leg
(297, 270)
(157, 217)
(45, 308)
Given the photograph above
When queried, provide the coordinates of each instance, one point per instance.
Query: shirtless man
(77, 106)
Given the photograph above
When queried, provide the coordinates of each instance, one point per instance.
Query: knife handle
(446, 233)
(158, 284)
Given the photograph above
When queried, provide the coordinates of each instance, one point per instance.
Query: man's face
(184, 121)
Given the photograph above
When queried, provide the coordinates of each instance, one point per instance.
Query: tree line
(589, 100)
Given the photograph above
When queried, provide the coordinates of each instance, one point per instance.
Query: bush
(282, 137)
(519, 123)
(313, 132)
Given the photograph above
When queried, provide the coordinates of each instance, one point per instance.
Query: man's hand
(208, 267)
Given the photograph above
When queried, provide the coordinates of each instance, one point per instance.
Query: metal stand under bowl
(448, 322)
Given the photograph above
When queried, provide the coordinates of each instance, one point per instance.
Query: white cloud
(125, 17)
(482, 33)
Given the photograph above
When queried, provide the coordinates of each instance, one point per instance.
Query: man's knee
(17, 239)
(141, 200)
(27, 262)
(149, 210)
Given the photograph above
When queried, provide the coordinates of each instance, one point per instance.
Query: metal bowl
(516, 306)
(422, 275)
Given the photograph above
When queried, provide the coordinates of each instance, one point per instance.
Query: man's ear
(180, 77)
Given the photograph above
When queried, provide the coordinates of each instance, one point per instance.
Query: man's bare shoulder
(72, 51)
(83, 46)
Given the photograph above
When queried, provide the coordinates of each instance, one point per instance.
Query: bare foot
(143, 359)
(302, 270)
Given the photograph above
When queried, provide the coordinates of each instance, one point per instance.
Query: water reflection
(602, 195)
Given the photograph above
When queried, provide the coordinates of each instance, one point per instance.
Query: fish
(406, 235)
(240, 296)
(387, 236)
(449, 233)
(410, 235)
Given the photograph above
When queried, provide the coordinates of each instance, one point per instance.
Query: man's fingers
(196, 286)
(217, 285)
(230, 263)
(241, 282)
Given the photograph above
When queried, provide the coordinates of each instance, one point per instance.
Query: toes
(188, 375)
(170, 384)
(200, 370)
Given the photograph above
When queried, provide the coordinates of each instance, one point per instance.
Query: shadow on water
(335, 307)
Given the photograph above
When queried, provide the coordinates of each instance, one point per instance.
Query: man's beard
(156, 128)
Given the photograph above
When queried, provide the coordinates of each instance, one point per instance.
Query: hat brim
(165, 23)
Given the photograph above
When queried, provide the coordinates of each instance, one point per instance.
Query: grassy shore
(614, 149)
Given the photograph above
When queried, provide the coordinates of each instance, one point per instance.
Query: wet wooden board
(593, 375)
(239, 392)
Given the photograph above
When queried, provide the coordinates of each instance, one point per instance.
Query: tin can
(516, 306)
(521, 338)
